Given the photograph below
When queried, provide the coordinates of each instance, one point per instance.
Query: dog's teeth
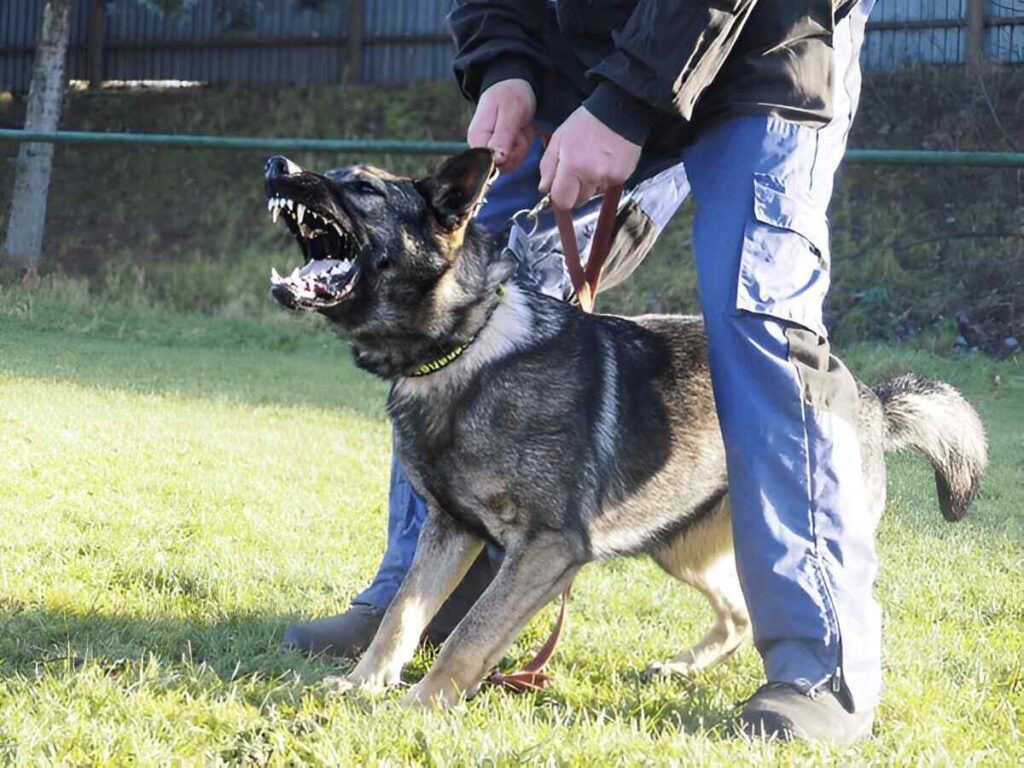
(274, 213)
(290, 204)
(294, 275)
(270, 204)
(302, 211)
(274, 277)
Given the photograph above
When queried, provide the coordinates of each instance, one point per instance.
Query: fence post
(94, 44)
(975, 34)
(354, 44)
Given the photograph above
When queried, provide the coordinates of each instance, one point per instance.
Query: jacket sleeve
(665, 56)
(497, 40)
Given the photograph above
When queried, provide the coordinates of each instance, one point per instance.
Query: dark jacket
(654, 70)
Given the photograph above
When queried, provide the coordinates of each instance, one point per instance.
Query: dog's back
(605, 427)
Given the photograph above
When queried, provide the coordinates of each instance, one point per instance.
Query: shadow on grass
(320, 377)
(37, 642)
(241, 653)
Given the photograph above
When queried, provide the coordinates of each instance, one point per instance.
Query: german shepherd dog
(562, 437)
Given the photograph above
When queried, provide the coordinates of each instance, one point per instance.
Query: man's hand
(503, 122)
(583, 158)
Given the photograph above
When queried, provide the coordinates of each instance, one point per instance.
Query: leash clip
(533, 214)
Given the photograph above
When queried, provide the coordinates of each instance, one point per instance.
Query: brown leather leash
(586, 281)
(531, 677)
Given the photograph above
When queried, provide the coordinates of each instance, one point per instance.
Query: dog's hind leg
(702, 556)
(444, 554)
(532, 573)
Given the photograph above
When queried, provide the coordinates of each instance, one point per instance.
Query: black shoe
(348, 634)
(782, 711)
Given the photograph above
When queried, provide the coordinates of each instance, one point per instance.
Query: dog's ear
(457, 188)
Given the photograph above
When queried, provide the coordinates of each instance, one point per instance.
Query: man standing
(756, 98)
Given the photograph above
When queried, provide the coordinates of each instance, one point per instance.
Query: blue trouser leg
(406, 512)
(803, 529)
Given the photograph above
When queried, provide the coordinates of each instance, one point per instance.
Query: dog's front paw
(669, 668)
(424, 695)
(347, 686)
(360, 681)
(339, 685)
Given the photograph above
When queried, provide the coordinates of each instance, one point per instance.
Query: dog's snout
(279, 166)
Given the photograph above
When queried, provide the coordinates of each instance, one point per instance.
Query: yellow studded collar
(451, 356)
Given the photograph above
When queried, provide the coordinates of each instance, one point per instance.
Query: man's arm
(497, 40)
(665, 56)
(497, 59)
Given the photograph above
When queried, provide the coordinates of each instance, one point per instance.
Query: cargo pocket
(825, 382)
(784, 267)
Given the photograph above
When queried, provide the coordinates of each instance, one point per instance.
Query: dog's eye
(366, 188)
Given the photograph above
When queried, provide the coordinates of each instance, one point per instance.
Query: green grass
(175, 490)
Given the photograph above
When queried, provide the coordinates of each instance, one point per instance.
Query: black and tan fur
(565, 438)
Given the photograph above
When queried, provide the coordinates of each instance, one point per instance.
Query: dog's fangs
(330, 270)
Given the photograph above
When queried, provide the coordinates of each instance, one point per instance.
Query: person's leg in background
(803, 525)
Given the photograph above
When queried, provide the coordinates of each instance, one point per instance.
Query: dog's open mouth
(331, 255)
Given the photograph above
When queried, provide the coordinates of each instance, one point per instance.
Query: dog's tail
(936, 419)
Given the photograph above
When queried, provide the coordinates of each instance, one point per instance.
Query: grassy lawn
(175, 490)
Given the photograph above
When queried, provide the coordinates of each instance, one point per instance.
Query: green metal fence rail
(236, 142)
(875, 156)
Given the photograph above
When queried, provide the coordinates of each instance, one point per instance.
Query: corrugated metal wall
(907, 32)
(301, 41)
(278, 41)
(1005, 42)
(387, 62)
(19, 24)
(910, 31)
(282, 46)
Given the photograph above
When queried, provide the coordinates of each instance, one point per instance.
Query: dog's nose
(279, 166)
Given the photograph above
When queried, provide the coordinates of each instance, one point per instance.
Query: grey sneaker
(348, 634)
(782, 711)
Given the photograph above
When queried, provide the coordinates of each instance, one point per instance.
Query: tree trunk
(24, 244)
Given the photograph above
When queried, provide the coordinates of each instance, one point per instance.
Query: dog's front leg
(444, 554)
(533, 572)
